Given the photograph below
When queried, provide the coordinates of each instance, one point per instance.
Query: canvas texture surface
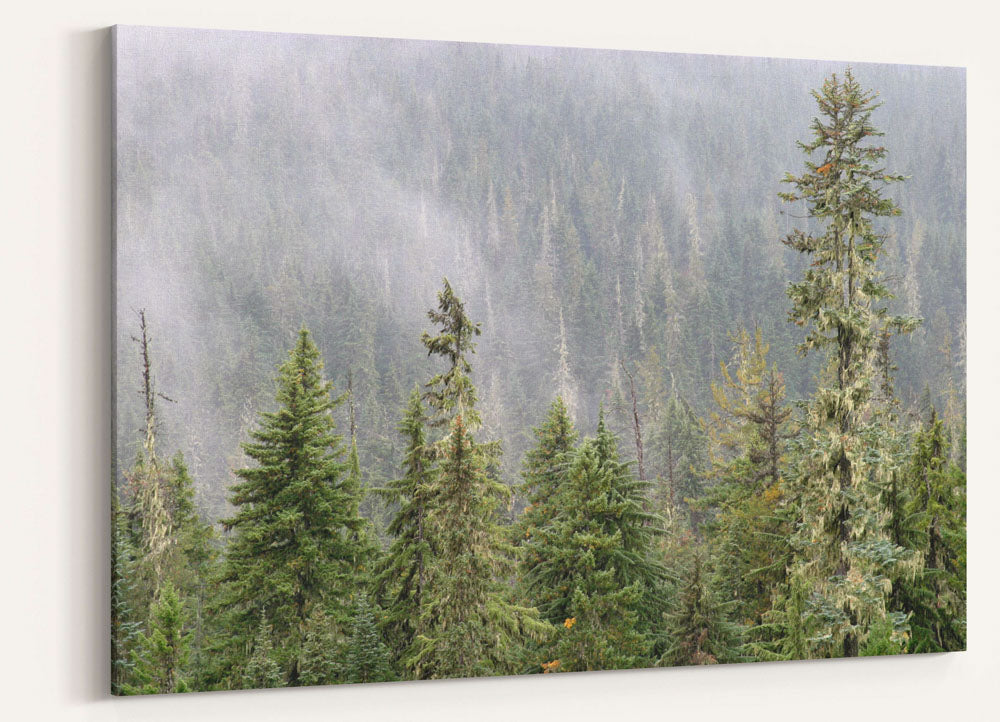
(441, 359)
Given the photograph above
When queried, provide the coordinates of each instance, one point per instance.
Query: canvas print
(439, 359)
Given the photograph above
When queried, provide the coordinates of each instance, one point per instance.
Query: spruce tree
(586, 581)
(261, 671)
(544, 475)
(296, 523)
(842, 551)
(160, 658)
(404, 572)
(452, 392)
(591, 562)
(322, 650)
(467, 625)
(699, 628)
(367, 657)
(934, 524)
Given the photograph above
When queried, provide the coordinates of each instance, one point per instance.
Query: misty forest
(443, 360)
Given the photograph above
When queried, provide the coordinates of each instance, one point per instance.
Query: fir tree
(322, 648)
(404, 572)
(841, 299)
(586, 582)
(367, 658)
(591, 561)
(933, 522)
(700, 631)
(161, 657)
(261, 671)
(544, 475)
(452, 392)
(467, 625)
(296, 523)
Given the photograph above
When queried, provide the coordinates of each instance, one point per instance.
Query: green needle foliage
(404, 572)
(367, 657)
(124, 624)
(786, 523)
(841, 300)
(589, 567)
(934, 513)
(544, 474)
(451, 392)
(700, 629)
(161, 657)
(596, 591)
(467, 625)
(261, 671)
(296, 523)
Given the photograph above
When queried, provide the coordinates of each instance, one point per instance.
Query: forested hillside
(632, 427)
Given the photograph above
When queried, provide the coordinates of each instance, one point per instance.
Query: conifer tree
(404, 572)
(749, 430)
(296, 520)
(124, 624)
(544, 475)
(699, 628)
(467, 625)
(591, 561)
(841, 299)
(934, 524)
(148, 482)
(587, 582)
(367, 658)
(678, 452)
(261, 671)
(451, 393)
(322, 650)
(160, 658)
(191, 563)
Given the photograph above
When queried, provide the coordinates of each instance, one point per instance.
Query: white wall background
(55, 304)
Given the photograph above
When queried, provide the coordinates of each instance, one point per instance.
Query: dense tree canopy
(659, 481)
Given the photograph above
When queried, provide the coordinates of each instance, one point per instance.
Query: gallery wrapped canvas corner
(438, 359)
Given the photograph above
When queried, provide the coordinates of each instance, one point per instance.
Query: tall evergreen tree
(467, 625)
(750, 530)
(404, 572)
(591, 561)
(586, 581)
(544, 476)
(678, 453)
(451, 392)
(162, 538)
(296, 521)
(841, 300)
